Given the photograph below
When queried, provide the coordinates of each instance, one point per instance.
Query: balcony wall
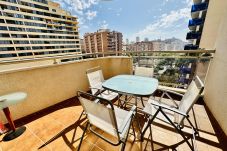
(215, 36)
(49, 85)
(215, 12)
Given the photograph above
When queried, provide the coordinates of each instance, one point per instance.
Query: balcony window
(3, 28)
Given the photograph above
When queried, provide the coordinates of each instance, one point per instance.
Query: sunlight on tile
(64, 121)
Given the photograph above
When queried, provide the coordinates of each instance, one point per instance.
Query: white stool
(5, 102)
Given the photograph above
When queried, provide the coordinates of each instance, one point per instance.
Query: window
(4, 35)
(3, 28)
(6, 42)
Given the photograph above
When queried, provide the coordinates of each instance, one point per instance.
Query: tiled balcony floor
(64, 120)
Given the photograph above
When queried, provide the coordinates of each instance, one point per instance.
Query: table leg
(14, 133)
(142, 101)
(9, 118)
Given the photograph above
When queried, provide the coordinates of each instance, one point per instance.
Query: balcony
(62, 118)
(193, 35)
(53, 108)
(199, 7)
(195, 22)
(191, 47)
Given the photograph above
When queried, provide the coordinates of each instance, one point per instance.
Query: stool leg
(9, 118)
(14, 133)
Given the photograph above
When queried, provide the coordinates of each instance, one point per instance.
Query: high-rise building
(103, 40)
(146, 39)
(174, 44)
(36, 28)
(82, 45)
(127, 41)
(158, 45)
(137, 39)
(195, 25)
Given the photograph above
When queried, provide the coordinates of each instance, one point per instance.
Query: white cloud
(104, 25)
(80, 8)
(84, 27)
(188, 3)
(81, 20)
(91, 14)
(165, 2)
(164, 22)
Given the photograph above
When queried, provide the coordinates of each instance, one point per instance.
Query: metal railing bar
(33, 58)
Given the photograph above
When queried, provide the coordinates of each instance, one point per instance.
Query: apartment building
(36, 28)
(158, 45)
(140, 46)
(103, 40)
(196, 24)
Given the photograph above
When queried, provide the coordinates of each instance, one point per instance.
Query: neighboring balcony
(193, 35)
(195, 22)
(199, 7)
(191, 47)
(52, 106)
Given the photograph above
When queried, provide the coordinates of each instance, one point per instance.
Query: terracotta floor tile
(209, 137)
(213, 148)
(95, 148)
(65, 144)
(136, 146)
(0, 148)
(65, 121)
(91, 137)
(106, 146)
(27, 141)
(68, 115)
(205, 125)
(45, 127)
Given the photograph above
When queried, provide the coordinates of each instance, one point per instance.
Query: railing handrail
(114, 53)
(171, 51)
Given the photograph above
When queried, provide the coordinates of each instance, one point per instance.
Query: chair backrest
(190, 97)
(95, 78)
(100, 114)
(144, 71)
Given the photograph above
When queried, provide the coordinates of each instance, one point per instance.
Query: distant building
(140, 46)
(157, 45)
(174, 44)
(103, 40)
(36, 28)
(82, 46)
(146, 39)
(137, 39)
(127, 41)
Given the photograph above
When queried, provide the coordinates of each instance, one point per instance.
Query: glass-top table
(136, 86)
(132, 85)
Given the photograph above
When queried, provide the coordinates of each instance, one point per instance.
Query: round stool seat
(5, 102)
(11, 99)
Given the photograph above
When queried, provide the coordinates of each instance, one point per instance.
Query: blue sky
(144, 18)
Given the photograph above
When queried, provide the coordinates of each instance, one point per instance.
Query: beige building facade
(36, 28)
(103, 40)
(214, 36)
(140, 46)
